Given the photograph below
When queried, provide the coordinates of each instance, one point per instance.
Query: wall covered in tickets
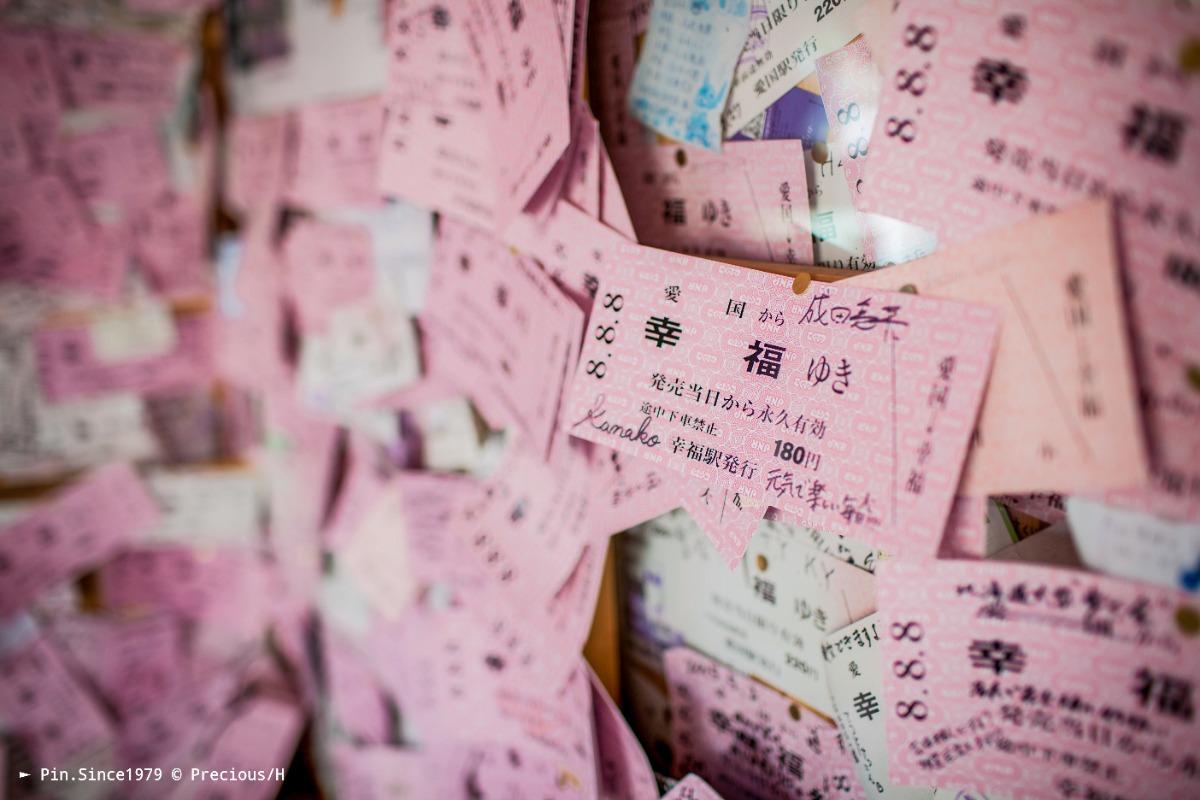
(611, 400)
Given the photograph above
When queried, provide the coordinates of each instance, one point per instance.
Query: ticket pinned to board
(991, 114)
(849, 408)
(1036, 681)
(1061, 410)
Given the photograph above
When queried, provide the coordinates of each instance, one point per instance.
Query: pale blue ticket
(682, 78)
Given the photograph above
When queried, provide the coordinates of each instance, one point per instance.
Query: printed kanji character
(866, 706)
(764, 589)
(675, 211)
(1000, 80)
(765, 359)
(1167, 694)
(998, 656)
(663, 331)
(792, 763)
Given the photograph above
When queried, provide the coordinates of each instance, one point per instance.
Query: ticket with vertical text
(848, 408)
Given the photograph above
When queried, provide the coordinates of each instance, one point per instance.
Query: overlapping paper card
(1060, 413)
(766, 619)
(781, 50)
(849, 408)
(78, 529)
(1037, 681)
(991, 114)
(748, 739)
(498, 327)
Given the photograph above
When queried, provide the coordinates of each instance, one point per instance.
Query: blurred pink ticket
(497, 327)
(78, 529)
(526, 96)
(69, 365)
(848, 408)
(51, 711)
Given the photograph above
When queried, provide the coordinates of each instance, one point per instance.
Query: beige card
(1060, 411)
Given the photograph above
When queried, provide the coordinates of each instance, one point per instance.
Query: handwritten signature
(596, 414)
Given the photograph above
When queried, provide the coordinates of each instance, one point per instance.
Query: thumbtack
(801, 282)
(1187, 620)
(909, 288)
(1189, 56)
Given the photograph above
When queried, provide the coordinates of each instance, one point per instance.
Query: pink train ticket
(573, 247)
(499, 329)
(581, 186)
(1038, 682)
(468, 682)
(850, 409)
(613, 211)
(632, 491)
(337, 153)
(261, 737)
(526, 523)
(749, 740)
(170, 243)
(69, 367)
(119, 167)
(134, 662)
(749, 201)
(1061, 411)
(76, 530)
(526, 97)
(850, 87)
(177, 579)
(45, 705)
(692, 787)
(993, 112)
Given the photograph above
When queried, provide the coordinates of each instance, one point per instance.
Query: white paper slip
(1133, 544)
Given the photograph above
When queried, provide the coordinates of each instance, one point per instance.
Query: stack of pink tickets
(429, 399)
